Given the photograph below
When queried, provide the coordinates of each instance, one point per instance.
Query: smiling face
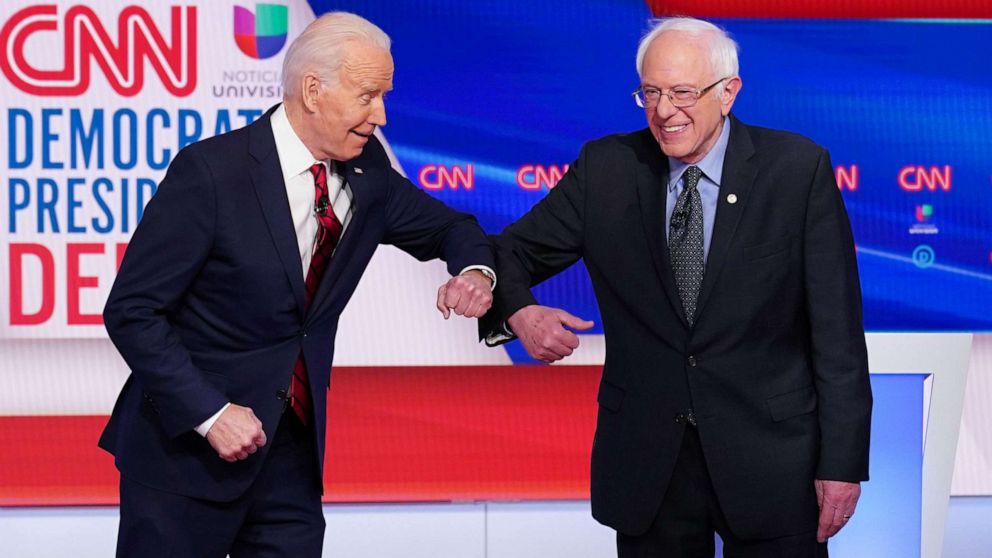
(342, 114)
(677, 59)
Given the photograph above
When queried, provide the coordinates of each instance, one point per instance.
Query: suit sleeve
(838, 353)
(544, 242)
(426, 228)
(163, 258)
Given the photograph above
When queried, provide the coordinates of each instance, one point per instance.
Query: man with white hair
(735, 396)
(227, 304)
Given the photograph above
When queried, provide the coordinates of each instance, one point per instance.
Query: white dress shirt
(295, 160)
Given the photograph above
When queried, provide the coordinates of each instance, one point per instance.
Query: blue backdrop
(502, 84)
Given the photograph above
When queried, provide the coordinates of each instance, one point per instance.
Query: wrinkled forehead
(679, 56)
(364, 60)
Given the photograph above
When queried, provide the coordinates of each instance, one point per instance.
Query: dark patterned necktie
(685, 242)
(328, 233)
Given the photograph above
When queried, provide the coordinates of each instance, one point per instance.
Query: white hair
(321, 48)
(723, 49)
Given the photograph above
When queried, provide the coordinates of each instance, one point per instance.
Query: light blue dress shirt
(709, 185)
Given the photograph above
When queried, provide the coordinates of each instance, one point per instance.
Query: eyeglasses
(681, 97)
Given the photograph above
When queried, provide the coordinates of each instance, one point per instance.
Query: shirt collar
(294, 157)
(711, 164)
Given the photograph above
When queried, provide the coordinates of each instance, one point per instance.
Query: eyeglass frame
(642, 103)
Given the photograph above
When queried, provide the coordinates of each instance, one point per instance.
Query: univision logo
(262, 34)
(924, 217)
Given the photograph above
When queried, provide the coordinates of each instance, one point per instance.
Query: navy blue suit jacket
(208, 306)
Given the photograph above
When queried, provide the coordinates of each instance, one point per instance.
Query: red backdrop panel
(394, 434)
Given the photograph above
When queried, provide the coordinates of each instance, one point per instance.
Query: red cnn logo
(437, 177)
(85, 40)
(847, 177)
(916, 178)
(534, 177)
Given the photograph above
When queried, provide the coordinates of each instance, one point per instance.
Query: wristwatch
(489, 274)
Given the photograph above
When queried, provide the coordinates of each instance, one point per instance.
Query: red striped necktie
(328, 233)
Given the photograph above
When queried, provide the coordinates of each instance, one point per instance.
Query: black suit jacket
(208, 306)
(775, 367)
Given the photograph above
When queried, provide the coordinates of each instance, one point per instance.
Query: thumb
(573, 322)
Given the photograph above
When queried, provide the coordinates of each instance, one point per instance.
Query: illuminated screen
(511, 90)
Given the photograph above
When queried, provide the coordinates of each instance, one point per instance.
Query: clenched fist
(236, 434)
(469, 294)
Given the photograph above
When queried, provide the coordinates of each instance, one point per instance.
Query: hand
(837, 500)
(236, 434)
(541, 330)
(469, 294)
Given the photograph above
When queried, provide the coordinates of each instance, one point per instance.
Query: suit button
(680, 418)
(281, 393)
(692, 361)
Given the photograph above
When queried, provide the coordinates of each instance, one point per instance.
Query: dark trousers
(690, 515)
(280, 515)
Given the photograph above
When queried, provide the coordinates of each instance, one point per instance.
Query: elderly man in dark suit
(735, 396)
(228, 298)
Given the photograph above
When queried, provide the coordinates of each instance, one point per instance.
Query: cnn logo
(85, 41)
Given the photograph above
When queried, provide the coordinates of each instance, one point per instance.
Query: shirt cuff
(500, 335)
(486, 270)
(205, 425)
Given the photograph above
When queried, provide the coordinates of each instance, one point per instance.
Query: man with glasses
(735, 395)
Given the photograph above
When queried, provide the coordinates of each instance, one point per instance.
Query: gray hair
(723, 49)
(320, 48)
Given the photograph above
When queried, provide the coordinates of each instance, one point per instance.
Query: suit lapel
(738, 178)
(652, 180)
(360, 181)
(270, 189)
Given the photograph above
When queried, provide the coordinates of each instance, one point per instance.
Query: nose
(665, 109)
(378, 114)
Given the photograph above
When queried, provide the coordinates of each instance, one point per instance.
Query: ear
(729, 94)
(311, 89)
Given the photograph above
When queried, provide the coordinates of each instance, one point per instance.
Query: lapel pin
(731, 198)
(358, 171)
